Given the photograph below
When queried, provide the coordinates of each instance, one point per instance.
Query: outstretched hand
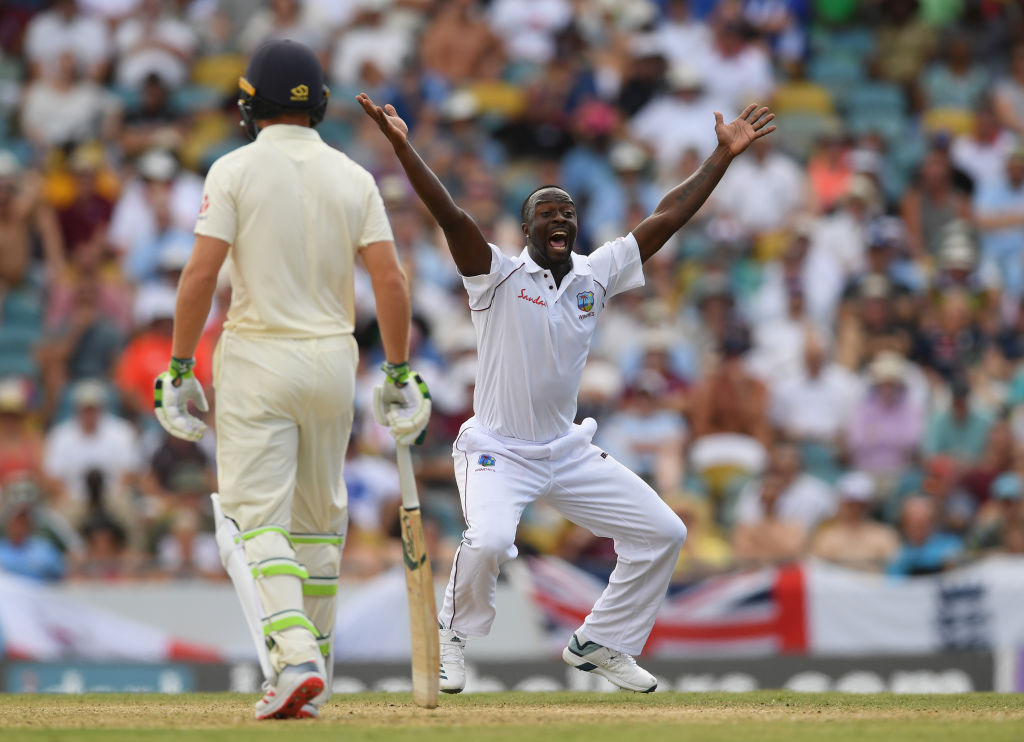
(750, 125)
(387, 118)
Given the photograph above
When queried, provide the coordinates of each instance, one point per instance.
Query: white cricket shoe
(618, 667)
(453, 661)
(296, 686)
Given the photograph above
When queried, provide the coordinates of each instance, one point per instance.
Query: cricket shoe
(453, 661)
(296, 686)
(308, 711)
(618, 667)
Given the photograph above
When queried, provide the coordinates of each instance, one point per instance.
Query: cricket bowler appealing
(534, 316)
(289, 213)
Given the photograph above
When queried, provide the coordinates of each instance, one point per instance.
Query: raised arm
(683, 201)
(466, 242)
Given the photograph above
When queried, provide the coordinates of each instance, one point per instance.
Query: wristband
(181, 368)
(397, 373)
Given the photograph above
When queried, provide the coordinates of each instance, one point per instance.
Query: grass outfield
(764, 716)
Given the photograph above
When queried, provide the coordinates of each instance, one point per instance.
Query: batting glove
(171, 393)
(402, 403)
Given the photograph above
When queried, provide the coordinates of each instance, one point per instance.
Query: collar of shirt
(287, 131)
(580, 265)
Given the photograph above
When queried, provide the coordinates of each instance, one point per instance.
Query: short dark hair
(523, 213)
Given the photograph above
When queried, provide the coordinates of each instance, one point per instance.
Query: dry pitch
(764, 716)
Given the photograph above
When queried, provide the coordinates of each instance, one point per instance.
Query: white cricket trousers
(498, 477)
(284, 415)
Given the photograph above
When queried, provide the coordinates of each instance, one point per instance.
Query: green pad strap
(279, 566)
(320, 586)
(317, 538)
(247, 535)
(287, 620)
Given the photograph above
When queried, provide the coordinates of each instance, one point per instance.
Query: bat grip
(406, 478)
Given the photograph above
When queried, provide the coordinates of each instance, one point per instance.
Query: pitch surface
(765, 716)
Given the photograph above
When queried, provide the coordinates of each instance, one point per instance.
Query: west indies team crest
(585, 300)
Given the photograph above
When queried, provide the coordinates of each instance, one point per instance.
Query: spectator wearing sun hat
(852, 538)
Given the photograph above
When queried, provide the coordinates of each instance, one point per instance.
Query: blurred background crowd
(828, 360)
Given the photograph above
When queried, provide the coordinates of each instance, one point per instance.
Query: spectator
(961, 431)
(931, 204)
(1000, 217)
(1000, 527)
(64, 29)
(885, 429)
(955, 341)
(84, 220)
(161, 198)
(1009, 94)
(150, 42)
(82, 343)
(954, 80)
(677, 121)
(456, 41)
(94, 440)
(923, 551)
(983, 153)
(22, 551)
(529, 27)
(21, 444)
(106, 550)
(283, 19)
(369, 48)
(764, 533)
(153, 122)
(813, 406)
(736, 70)
(60, 108)
(146, 354)
(786, 492)
(940, 483)
(729, 418)
(852, 538)
(905, 41)
(740, 197)
(24, 218)
(645, 436)
(187, 549)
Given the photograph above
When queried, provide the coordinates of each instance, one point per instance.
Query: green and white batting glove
(402, 403)
(171, 393)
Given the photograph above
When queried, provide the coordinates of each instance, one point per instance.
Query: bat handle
(407, 478)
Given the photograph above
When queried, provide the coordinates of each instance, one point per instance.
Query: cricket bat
(419, 583)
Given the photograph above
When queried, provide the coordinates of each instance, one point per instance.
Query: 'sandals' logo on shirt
(205, 206)
(585, 300)
(486, 460)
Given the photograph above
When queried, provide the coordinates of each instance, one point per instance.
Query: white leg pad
(232, 556)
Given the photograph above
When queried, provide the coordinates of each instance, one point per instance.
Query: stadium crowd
(828, 360)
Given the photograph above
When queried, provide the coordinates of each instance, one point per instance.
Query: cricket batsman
(535, 316)
(289, 214)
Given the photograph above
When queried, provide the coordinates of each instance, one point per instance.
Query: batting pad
(320, 553)
(232, 556)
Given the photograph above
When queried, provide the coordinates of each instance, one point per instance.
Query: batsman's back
(295, 212)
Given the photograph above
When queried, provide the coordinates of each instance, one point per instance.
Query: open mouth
(559, 240)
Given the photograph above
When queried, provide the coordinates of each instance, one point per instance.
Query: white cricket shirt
(533, 336)
(295, 212)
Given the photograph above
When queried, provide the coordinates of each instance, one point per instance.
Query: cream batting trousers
(284, 415)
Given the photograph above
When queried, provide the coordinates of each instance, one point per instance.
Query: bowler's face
(551, 229)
